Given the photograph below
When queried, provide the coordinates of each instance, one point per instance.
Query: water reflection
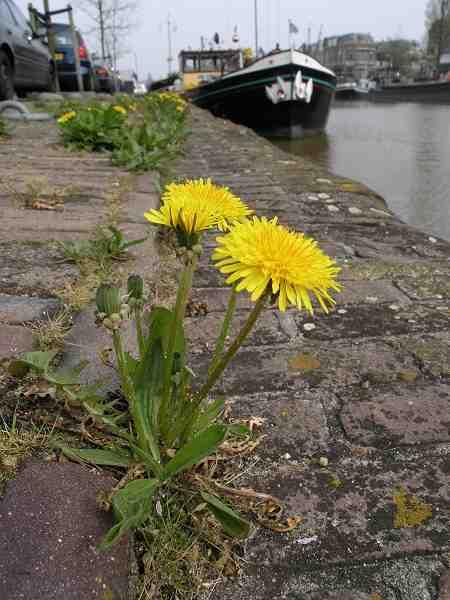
(400, 150)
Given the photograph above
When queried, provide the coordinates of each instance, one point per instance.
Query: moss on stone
(409, 510)
(433, 355)
(422, 273)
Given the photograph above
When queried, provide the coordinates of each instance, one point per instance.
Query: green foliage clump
(3, 128)
(141, 134)
(93, 128)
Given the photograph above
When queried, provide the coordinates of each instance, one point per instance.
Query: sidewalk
(356, 403)
(366, 388)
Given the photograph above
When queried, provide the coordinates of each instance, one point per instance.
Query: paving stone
(358, 509)
(399, 415)
(48, 97)
(50, 526)
(435, 284)
(86, 341)
(338, 595)
(31, 268)
(216, 299)
(17, 309)
(374, 320)
(14, 340)
(413, 578)
(307, 364)
(432, 352)
(295, 422)
(203, 331)
(444, 586)
(369, 292)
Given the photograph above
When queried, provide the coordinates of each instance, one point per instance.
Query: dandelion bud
(108, 299)
(197, 249)
(108, 323)
(135, 286)
(115, 318)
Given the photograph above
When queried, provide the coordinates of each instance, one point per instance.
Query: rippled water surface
(402, 151)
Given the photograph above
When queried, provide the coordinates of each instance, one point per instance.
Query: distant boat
(437, 92)
(165, 83)
(283, 94)
(353, 90)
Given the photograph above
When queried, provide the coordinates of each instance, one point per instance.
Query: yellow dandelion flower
(262, 254)
(196, 205)
(66, 117)
(120, 109)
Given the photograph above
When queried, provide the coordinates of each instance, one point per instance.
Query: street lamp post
(256, 29)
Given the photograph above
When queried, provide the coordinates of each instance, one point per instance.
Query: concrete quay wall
(365, 388)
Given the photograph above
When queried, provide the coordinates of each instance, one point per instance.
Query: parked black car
(65, 59)
(105, 80)
(25, 62)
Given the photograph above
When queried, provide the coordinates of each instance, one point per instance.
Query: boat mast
(256, 28)
(169, 39)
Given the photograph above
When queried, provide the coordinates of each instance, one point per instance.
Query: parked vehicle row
(27, 65)
(65, 59)
(25, 62)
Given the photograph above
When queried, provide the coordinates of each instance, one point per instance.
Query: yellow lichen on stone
(408, 376)
(304, 362)
(410, 511)
(352, 187)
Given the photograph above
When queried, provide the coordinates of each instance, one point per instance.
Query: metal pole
(51, 42)
(76, 49)
(32, 14)
(256, 29)
(102, 28)
(169, 39)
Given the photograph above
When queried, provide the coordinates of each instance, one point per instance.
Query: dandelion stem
(223, 363)
(118, 348)
(218, 350)
(229, 354)
(139, 334)
(184, 289)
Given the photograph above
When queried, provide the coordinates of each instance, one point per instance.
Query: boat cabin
(201, 66)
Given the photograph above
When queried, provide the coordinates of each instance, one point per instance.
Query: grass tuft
(17, 444)
(51, 332)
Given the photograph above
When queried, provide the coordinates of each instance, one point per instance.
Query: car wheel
(87, 83)
(51, 81)
(6, 77)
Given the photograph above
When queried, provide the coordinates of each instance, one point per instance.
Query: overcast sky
(193, 18)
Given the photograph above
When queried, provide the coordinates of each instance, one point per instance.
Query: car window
(63, 37)
(18, 16)
(6, 15)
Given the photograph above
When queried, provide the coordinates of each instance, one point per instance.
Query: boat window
(209, 64)
(189, 65)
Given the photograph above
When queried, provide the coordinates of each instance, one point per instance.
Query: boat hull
(243, 99)
(435, 92)
(351, 94)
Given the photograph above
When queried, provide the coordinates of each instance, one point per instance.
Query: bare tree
(112, 21)
(437, 24)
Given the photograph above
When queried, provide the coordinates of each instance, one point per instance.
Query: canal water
(402, 151)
